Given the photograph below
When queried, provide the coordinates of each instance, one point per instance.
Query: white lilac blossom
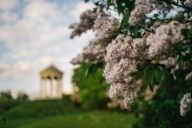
(189, 76)
(129, 96)
(142, 7)
(119, 48)
(185, 104)
(120, 71)
(138, 49)
(188, 3)
(122, 59)
(104, 28)
(80, 58)
(169, 62)
(94, 51)
(142, 2)
(87, 19)
(116, 90)
(164, 37)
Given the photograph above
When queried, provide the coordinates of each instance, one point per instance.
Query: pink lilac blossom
(94, 51)
(104, 28)
(144, 2)
(87, 19)
(185, 104)
(116, 90)
(169, 62)
(115, 72)
(188, 3)
(117, 50)
(142, 7)
(91, 52)
(164, 37)
(122, 59)
(138, 49)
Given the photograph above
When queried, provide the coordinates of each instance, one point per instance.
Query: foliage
(91, 84)
(6, 95)
(22, 97)
(8, 102)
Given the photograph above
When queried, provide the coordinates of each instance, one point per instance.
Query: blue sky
(34, 34)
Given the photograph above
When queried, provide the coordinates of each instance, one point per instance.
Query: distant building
(51, 83)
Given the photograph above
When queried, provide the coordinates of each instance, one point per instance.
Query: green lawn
(62, 114)
(96, 119)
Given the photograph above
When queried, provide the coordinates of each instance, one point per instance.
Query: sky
(35, 34)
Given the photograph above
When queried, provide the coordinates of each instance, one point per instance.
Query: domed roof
(51, 71)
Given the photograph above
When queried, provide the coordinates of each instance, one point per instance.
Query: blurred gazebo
(51, 83)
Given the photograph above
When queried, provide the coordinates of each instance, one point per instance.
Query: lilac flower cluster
(87, 20)
(189, 76)
(104, 28)
(168, 62)
(94, 51)
(188, 3)
(122, 58)
(142, 7)
(185, 104)
(164, 37)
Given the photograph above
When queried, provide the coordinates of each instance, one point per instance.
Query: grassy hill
(96, 119)
(62, 114)
(41, 108)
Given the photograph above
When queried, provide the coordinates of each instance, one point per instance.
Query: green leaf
(130, 4)
(155, 74)
(87, 71)
(187, 33)
(120, 7)
(109, 2)
(151, 87)
(91, 68)
(124, 21)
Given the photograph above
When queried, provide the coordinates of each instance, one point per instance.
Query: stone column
(41, 88)
(46, 84)
(48, 88)
(54, 88)
(51, 88)
(59, 87)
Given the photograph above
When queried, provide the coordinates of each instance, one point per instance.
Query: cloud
(8, 17)
(39, 12)
(36, 28)
(4, 67)
(81, 7)
(8, 4)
